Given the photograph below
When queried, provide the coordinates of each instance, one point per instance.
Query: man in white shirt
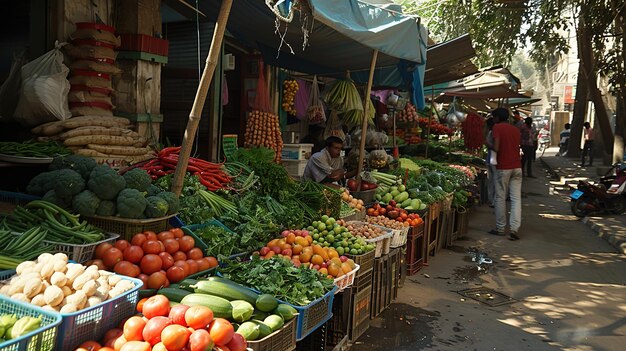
(326, 166)
(590, 135)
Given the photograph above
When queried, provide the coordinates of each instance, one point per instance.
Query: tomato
(171, 245)
(183, 265)
(151, 263)
(203, 264)
(121, 244)
(175, 274)
(177, 314)
(167, 259)
(175, 337)
(125, 268)
(97, 262)
(178, 233)
(238, 343)
(150, 235)
(119, 342)
(90, 346)
(186, 243)
(138, 239)
(221, 331)
(195, 253)
(151, 247)
(144, 279)
(157, 280)
(101, 249)
(200, 340)
(152, 332)
(133, 254)
(382, 211)
(198, 317)
(133, 328)
(136, 346)
(157, 305)
(115, 332)
(112, 256)
(179, 256)
(212, 261)
(193, 266)
(165, 235)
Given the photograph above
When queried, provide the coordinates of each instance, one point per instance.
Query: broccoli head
(131, 203)
(51, 196)
(156, 207)
(42, 183)
(81, 164)
(153, 190)
(173, 201)
(138, 178)
(86, 203)
(68, 183)
(106, 208)
(105, 182)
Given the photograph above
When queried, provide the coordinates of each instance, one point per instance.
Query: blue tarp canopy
(329, 37)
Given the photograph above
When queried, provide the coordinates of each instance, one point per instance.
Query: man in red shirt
(506, 143)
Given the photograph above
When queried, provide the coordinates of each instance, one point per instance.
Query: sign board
(569, 93)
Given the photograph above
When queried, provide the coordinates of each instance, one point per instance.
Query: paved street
(570, 287)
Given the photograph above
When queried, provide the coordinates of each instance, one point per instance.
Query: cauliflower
(131, 203)
(106, 183)
(138, 179)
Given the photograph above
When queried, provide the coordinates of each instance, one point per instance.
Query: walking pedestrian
(518, 121)
(528, 146)
(507, 139)
(590, 135)
(564, 136)
(491, 162)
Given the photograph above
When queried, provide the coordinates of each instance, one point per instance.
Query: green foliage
(86, 203)
(105, 182)
(131, 203)
(138, 178)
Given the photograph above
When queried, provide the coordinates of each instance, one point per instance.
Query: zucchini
(287, 312)
(225, 288)
(242, 310)
(264, 329)
(266, 303)
(274, 321)
(221, 307)
(249, 330)
(173, 294)
(186, 284)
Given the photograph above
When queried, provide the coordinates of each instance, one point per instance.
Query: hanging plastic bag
(44, 90)
(315, 113)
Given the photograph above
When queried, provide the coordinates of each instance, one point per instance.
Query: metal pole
(196, 110)
(368, 91)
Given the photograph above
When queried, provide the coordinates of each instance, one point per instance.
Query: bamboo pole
(368, 91)
(203, 88)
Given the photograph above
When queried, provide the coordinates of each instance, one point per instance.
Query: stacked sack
(103, 137)
(93, 55)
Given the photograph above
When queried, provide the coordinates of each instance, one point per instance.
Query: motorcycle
(607, 197)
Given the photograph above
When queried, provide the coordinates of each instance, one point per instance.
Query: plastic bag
(333, 127)
(315, 113)
(44, 90)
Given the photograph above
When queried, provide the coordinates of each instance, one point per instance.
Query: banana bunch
(290, 88)
(354, 118)
(344, 96)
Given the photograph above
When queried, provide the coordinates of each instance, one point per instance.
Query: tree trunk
(620, 113)
(581, 99)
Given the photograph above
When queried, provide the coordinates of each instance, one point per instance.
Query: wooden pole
(430, 117)
(368, 91)
(205, 82)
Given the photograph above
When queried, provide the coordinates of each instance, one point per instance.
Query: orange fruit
(336, 261)
(324, 271)
(309, 239)
(318, 250)
(273, 242)
(345, 267)
(301, 241)
(296, 249)
(305, 257)
(270, 254)
(333, 269)
(308, 250)
(291, 238)
(317, 259)
(332, 253)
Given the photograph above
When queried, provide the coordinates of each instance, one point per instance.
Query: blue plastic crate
(313, 315)
(93, 322)
(17, 198)
(176, 222)
(43, 338)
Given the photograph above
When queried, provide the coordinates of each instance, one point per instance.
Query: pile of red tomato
(396, 213)
(179, 328)
(156, 259)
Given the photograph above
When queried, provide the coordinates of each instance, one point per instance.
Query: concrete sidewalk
(566, 172)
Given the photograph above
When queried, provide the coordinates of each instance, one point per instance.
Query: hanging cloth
(224, 91)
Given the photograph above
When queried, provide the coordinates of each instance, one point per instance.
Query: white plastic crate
(296, 152)
(295, 168)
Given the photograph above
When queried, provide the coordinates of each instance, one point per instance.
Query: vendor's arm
(350, 174)
(318, 169)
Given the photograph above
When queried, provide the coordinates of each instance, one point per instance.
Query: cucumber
(221, 307)
(274, 321)
(266, 303)
(173, 294)
(226, 289)
(259, 315)
(186, 284)
(249, 330)
(242, 310)
(264, 329)
(287, 312)
(406, 203)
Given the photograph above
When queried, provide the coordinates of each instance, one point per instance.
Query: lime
(330, 238)
(340, 250)
(310, 228)
(315, 236)
(354, 252)
(316, 223)
(324, 218)
(321, 226)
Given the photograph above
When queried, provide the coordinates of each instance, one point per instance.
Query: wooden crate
(433, 227)
(415, 251)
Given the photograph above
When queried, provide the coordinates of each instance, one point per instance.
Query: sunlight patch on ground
(559, 217)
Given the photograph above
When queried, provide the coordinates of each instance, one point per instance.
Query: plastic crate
(363, 281)
(360, 317)
(346, 280)
(296, 152)
(394, 266)
(399, 237)
(283, 339)
(357, 216)
(295, 168)
(365, 261)
(41, 339)
(382, 242)
(78, 252)
(316, 341)
(339, 324)
(126, 227)
(415, 250)
(176, 222)
(91, 323)
(17, 199)
(144, 43)
(313, 315)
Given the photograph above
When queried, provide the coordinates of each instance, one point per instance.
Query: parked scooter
(607, 197)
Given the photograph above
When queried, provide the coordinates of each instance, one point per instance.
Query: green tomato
(321, 226)
(315, 236)
(340, 250)
(354, 252)
(324, 218)
(310, 228)
(330, 238)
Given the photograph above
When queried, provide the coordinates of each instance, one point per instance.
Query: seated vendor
(326, 166)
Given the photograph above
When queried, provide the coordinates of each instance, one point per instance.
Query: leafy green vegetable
(221, 243)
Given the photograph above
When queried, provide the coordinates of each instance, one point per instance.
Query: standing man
(528, 146)
(507, 140)
(590, 135)
(517, 119)
(564, 136)
(326, 166)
